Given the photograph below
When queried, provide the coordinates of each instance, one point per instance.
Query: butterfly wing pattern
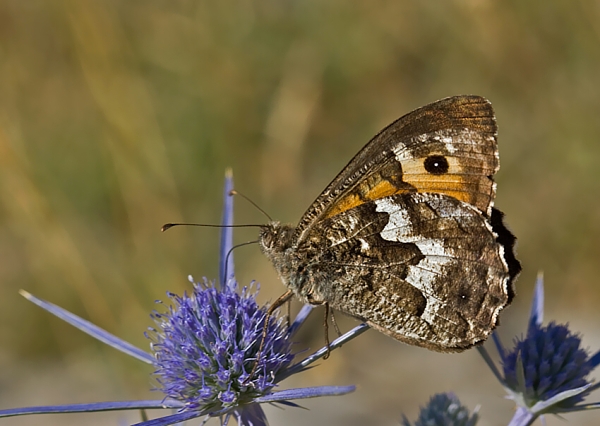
(406, 237)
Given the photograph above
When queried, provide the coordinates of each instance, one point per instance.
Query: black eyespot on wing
(436, 164)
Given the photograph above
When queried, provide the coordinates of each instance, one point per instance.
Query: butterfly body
(406, 237)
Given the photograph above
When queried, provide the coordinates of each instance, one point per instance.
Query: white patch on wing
(428, 271)
(442, 136)
(449, 144)
(399, 226)
(431, 267)
(449, 141)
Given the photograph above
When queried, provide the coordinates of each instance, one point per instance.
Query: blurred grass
(116, 117)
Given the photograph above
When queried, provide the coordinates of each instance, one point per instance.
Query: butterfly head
(275, 239)
(276, 242)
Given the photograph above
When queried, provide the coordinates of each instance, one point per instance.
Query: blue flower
(444, 409)
(207, 345)
(205, 348)
(546, 372)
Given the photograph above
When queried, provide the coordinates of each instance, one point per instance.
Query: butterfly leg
(289, 313)
(335, 324)
(276, 304)
(326, 327)
(326, 323)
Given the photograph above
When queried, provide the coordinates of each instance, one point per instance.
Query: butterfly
(406, 237)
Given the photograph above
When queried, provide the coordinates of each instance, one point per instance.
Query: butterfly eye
(436, 164)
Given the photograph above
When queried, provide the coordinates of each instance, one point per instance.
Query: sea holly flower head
(552, 362)
(207, 344)
(546, 371)
(444, 409)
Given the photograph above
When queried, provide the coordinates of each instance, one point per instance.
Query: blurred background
(119, 116)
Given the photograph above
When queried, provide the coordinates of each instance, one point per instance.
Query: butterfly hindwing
(424, 269)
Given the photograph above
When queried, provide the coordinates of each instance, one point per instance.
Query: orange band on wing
(474, 190)
(384, 188)
(348, 202)
(362, 194)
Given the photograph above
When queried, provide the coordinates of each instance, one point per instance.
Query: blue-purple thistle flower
(552, 362)
(444, 409)
(546, 372)
(208, 343)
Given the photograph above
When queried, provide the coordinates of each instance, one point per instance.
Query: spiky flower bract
(546, 371)
(444, 409)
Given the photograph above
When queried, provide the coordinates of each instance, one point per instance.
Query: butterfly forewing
(461, 128)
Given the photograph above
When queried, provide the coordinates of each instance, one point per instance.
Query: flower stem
(522, 417)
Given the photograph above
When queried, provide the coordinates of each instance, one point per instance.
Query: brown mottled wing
(426, 269)
(460, 130)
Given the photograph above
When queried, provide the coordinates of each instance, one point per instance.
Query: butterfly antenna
(247, 243)
(168, 226)
(234, 192)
